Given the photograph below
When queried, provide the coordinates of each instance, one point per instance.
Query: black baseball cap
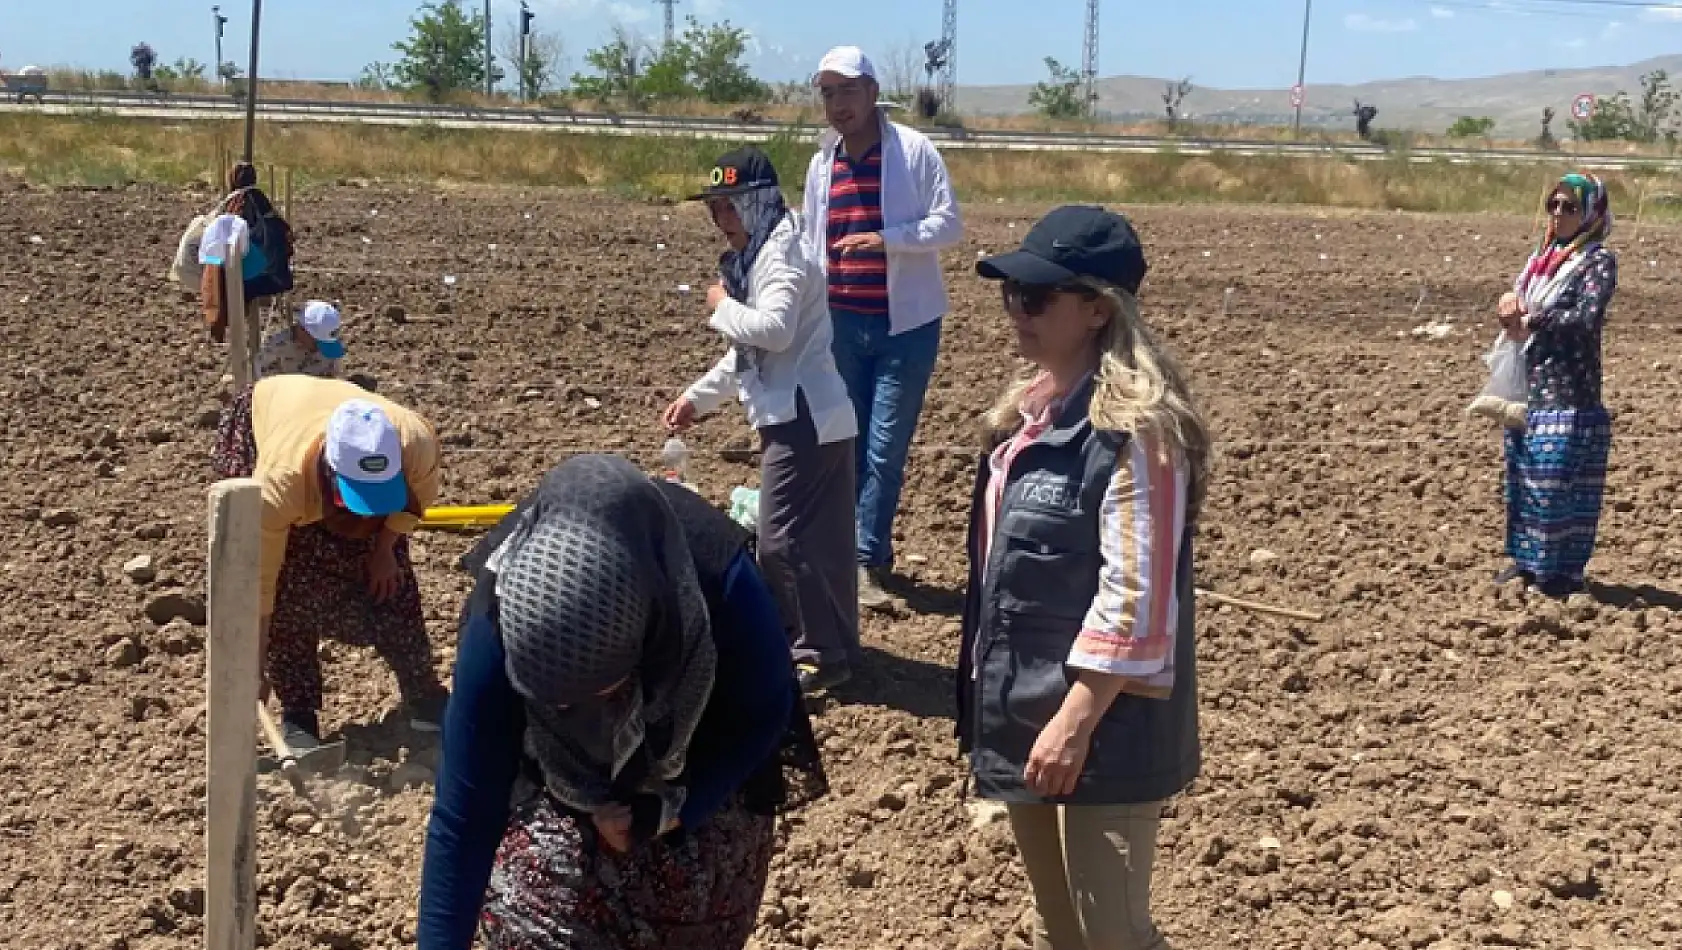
(1070, 242)
(744, 169)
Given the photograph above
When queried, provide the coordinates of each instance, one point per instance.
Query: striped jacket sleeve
(1129, 628)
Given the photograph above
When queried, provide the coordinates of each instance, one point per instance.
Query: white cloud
(1611, 31)
(1669, 14)
(1577, 43)
(1441, 13)
(1361, 23)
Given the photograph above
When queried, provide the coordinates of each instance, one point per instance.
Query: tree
(376, 76)
(704, 63)
(144, 60)
(713, 60)
(1654, 116)
(1467, 127)
(1546, 141)
(899, 70)
(1060, 96)
(619, 67)
(535, 72)
(1172, 96)
(1616, 118)
(444, 52)
(1364, 114)
(929, 104)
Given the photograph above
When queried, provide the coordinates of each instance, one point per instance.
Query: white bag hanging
(1506, 393)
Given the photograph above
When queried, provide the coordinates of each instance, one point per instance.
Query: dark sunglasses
(1562, 206)
(1032, 299)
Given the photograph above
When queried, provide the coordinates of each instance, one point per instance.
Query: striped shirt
(858, 282)
(1130, 625)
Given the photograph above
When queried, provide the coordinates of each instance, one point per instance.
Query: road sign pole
(1302, 67)
(251, 82)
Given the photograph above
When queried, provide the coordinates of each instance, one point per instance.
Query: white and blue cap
(366, 456)
(321, 321)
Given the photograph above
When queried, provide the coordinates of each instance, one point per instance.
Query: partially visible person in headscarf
(247, 218)
(771, 308)
(1556, 465)
(623, 708)
(310, 346)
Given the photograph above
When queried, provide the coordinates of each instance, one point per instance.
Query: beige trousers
(1090, 870)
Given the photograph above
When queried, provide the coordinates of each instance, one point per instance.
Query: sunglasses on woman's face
(1033, 299)
(1562, 206)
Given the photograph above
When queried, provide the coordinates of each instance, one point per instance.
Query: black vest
(1023, 610)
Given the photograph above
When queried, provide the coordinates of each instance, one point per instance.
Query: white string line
(975, 450)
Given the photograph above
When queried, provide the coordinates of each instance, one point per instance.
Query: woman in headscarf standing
(623, 708)
(1077, 692)
(1556, 466)
(772, 308)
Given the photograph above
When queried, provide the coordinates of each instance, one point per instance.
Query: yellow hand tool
(462, 517)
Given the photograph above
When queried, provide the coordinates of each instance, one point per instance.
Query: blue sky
(1224, 43)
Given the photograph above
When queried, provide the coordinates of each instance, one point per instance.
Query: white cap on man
(848, 61)
(321, 321)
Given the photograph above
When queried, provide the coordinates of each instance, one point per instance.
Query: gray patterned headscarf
(606, 632)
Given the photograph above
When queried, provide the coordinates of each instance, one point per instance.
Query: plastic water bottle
(744, 507)
(674, 462)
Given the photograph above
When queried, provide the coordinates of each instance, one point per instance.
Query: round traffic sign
(1582, 107)
(1296, 97)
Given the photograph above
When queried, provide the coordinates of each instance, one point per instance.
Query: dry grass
(808, 111)
(104, 150)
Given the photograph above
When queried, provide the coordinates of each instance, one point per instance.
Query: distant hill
(1515, 100)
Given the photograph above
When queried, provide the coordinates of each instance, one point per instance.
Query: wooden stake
(231, 683)
(1639, 203)
(1259, 608)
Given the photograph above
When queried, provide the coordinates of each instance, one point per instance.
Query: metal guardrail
(449, 116)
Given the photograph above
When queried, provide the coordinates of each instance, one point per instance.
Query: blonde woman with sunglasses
(1077, 688)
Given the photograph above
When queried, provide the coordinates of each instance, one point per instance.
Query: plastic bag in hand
(1505, 394)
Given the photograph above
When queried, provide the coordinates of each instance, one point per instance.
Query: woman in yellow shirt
(346, 475)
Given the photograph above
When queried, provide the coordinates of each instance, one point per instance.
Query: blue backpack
(267, 268)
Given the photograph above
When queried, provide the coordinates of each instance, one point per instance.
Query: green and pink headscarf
(1555, 250)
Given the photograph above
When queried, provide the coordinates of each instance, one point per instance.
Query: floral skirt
(556, 888)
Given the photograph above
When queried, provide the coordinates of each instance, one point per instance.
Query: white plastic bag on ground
(1505, 395)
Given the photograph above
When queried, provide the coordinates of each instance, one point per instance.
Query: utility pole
(671, 20)
(524, 70)
(1302, 69)
(949, 72)
(490, 64)
(221, 23)
(251, 81)
(1090, 64)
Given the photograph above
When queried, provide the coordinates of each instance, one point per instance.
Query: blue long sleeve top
(484, 727)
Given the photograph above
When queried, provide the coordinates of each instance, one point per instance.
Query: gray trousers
(1090, 870)
(807, 534)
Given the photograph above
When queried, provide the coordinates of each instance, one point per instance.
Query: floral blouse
(1563, 356)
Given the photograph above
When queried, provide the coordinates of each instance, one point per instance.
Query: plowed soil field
(1437, 763)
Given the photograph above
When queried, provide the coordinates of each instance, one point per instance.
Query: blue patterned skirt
(1556, 477)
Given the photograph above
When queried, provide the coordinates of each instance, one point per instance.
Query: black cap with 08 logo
(744, 169)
